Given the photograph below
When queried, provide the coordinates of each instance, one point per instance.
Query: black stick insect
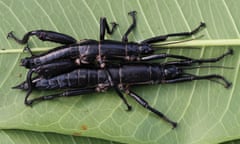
(89, 51)
(88, 80)
(74, 54)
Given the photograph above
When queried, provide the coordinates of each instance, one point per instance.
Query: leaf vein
(231, 18)
(66, 17)
(44, 11)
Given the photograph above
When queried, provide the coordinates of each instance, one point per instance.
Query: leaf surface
(206, 111)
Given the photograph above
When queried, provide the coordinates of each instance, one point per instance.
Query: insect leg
(30, 84)
(165, 37)
(129, 107)
(145, 104)
(117, 89)
(44, 36)
(131, 27)
(191, 77)
(104, 26)
(67, 93)
(112, 84)
(200, 61)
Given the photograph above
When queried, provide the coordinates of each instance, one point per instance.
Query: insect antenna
(159, 46)
(196, 67)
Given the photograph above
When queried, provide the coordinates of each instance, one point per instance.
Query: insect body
(88, 52)
(124, 75)
(91, 51)
(88, 80)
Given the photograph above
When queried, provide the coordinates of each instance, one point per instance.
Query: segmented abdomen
(83, 77)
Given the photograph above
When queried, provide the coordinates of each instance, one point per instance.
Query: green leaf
(232, 142)
(206, 111)
(28, 137)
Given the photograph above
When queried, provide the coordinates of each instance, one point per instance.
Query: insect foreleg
(190, 61)
(44, 36)
(165, 37)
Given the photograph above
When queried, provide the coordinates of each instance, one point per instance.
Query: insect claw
(132, 13)
(114, 24)
(203, 24)
(230, 51)
(228, 85)
(174, 124)
(28, 103)
(129, 108)
(10, 35)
